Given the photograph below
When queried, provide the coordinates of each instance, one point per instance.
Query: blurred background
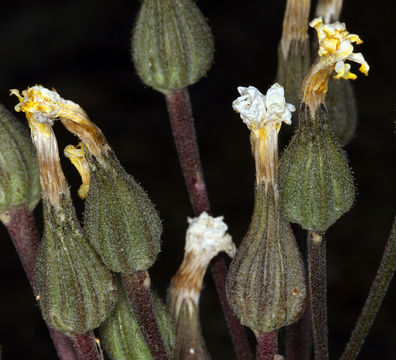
(82, 49)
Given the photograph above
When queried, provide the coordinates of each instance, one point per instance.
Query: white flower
(207, 234)
(257, 110)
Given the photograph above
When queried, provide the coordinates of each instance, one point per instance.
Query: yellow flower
(336, 46)
(77, 157)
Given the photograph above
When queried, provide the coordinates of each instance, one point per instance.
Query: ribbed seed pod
(19, 171)
(120, 221)
(75, 290)
(120, 334)
(341, 104)
(266, 283)
(172, 45)
(316, 183)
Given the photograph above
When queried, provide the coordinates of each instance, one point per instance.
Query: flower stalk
(317, 293)
(374, 300)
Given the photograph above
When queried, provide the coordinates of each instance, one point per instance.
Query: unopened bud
(172, 44)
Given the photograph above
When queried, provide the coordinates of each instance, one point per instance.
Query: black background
(82, 49)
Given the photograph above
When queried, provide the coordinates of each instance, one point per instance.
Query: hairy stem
(22, 228)
(299, 338)
(374, 300)
(317, 293)
(267, 345)
(182, 124)
(137, 288)
(86, 346)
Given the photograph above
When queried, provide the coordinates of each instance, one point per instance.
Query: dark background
(82, 49)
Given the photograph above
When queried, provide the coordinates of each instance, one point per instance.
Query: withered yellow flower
(77, 157)
(335, 48)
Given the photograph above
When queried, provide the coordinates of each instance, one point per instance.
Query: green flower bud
(75, 290)
(120, 221)
(120, 334)
(341, 104)
(19, 171)
(265, 282)
(172, 45)
(316, 183)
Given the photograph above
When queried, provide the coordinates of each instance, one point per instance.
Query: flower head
(257, 110)
(336, 46)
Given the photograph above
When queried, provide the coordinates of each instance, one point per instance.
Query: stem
(86, 346)
(374, 300)
(299, 338)
(182, 124)
(267, 345)
(137, 288)
(317, 293)
(22, 228)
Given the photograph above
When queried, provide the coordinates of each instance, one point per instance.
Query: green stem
(374, 300)
(317, 293)
(182, 124)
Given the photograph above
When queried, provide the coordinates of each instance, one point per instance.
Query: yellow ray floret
(76, 156)
(336, 46)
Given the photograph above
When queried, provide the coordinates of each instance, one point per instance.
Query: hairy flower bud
(120, 333)
(172, 45)
(19, 171)
(316, 183)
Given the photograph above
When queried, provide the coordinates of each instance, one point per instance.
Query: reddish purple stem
(267, 345)
(137, 287)
(182, 124)
(85, 346)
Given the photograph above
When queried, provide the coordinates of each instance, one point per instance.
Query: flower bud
(120, 220)
(19, 172)
(266, 283)
(121, 336)
(316, 183)
(172, 45)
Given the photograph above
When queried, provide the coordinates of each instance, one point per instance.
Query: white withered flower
(257, 109)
